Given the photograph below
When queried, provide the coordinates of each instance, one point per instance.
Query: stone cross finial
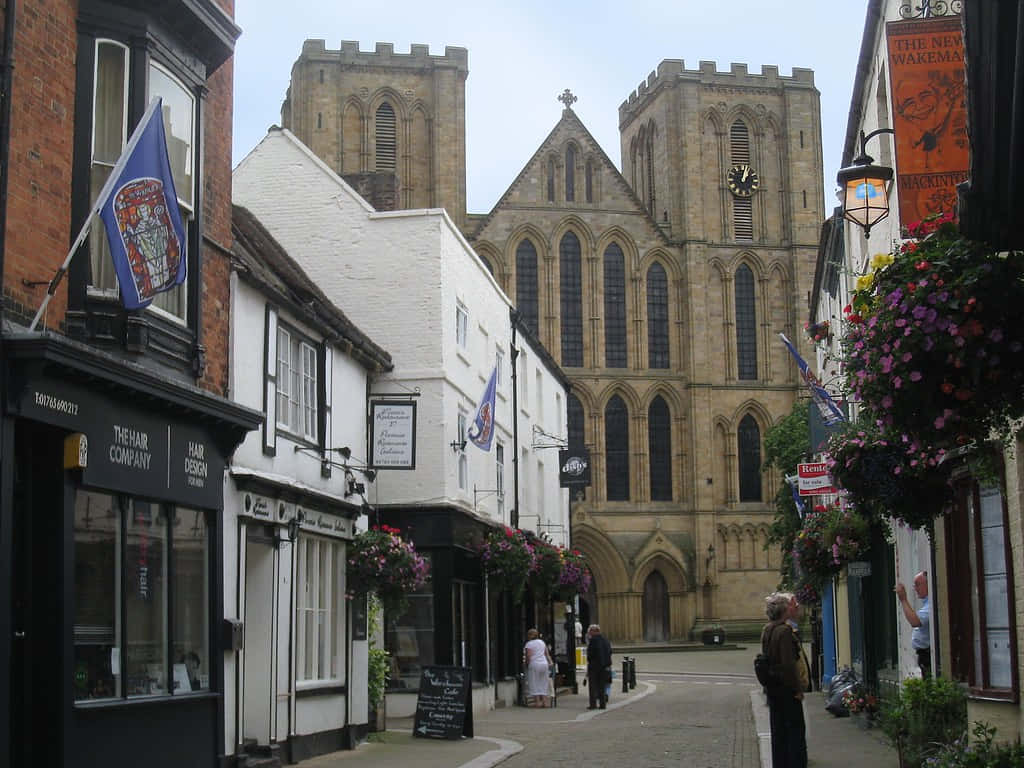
(567, 98)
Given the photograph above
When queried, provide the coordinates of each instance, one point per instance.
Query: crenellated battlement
(384, 54)
(707, 73)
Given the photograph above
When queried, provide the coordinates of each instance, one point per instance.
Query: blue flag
(830, 413)
(139, 209)
(481, 431)
(793, 483)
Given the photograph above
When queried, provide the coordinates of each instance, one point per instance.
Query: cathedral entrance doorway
(655, 608)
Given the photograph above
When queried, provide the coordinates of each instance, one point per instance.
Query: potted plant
(924, 715)
(507, 558)
(381, 562)
(861, 704)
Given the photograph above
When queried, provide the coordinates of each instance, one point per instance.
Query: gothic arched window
(570, 173)
(616, 449)
(386, 148)
(589, 181)
(614, 307)
(551, 179)
(574, 415)
(659, 444)
(571, 285)
(526, 284)
(749, 443)
(657, 317)
(746, 324)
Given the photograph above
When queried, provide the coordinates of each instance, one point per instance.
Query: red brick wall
(42, 128)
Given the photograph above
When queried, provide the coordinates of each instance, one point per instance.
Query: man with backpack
(788, 678)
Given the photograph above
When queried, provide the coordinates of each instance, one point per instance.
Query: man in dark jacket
(599, 666)
(785, 697)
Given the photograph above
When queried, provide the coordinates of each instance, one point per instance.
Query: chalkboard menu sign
(444, 707)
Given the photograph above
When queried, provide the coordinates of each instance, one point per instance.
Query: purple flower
(915, 375)
(996, 335)
(919, 312)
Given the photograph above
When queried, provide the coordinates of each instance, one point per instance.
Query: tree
(786, 444)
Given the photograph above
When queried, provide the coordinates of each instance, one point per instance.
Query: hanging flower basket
(890, 475)
(821, 331)
(547, 568)
(931, 348)
(574, 578)
(829, 538)
(382, 562)
(507, 558)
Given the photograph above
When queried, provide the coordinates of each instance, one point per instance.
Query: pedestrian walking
(790, 676)
(599, 667)
(538, 664)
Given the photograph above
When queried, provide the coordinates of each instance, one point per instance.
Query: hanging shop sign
(813, 479)
(130, 450)
(392, 434)
(926, 75)
(574, 468)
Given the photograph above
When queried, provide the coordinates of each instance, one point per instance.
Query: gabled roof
(260, 259)
(571, 125)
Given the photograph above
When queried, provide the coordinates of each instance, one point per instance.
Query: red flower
(963, 394)
(947, 387)
(921, 266)
(911, 287)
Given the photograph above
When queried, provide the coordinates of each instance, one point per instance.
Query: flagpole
(101, 198)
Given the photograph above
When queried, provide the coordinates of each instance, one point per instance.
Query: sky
(523, 54)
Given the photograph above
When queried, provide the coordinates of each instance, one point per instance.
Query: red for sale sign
(813, 479)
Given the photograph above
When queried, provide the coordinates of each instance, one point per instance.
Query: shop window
(141, 600)
(319, 591)
(296, 384)
(409, 638)
(982, 628)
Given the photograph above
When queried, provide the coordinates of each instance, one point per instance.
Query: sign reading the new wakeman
(444, 706)
(392, 435)
(926, 72)
(813, 479)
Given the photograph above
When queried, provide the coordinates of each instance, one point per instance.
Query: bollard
(625, 674)
(632, 672)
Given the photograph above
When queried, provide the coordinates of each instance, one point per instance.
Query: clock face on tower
(742, 180)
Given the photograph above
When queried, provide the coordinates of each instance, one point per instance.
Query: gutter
(864, 62)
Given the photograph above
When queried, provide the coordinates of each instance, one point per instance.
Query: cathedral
(659, 286)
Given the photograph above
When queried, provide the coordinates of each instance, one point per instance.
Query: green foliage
(786, 444)
(980, 751)
(924, 716)
(379, 663)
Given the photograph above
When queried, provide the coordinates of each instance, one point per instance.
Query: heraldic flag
(481, 431)
(830, 413)
(139, 209)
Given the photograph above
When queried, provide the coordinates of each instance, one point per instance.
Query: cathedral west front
(659, 286)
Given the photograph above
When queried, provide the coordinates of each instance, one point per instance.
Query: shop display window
(409, 638)
(141, 598)
(318, 618)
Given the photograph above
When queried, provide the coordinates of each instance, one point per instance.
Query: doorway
(655, 608)
(257, 682)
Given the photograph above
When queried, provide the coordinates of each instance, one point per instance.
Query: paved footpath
(700, 709)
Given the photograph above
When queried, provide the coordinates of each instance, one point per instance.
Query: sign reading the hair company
(926, 73)
(131, 450)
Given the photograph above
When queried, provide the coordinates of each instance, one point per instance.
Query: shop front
(112, 494)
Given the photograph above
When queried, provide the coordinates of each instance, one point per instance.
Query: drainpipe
(514, 517)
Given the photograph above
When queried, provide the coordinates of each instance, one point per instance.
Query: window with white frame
(499, 366)
(499, 478)
(463, 462)
(538, 391)
(319, 629)
(461, 324)
(296, 384)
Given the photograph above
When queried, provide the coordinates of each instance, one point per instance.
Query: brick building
(659, 288)
(115, 429)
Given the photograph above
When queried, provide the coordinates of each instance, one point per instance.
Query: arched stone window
(614, 307)
(386, 142)
(616, 449)
(657, 317)
(659, 447)
(749, 443)
(571, 288)
(590, 181)
(570, 173)
(746, 324)
(576, 433)
(526, 284)
(551, 179)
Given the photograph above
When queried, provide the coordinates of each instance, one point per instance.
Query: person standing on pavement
(920, 620)
(599, 667)
(785, 696)
(538, 663)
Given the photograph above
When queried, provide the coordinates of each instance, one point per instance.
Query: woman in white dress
(537, 661)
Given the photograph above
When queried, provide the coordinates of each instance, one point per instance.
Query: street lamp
(865, 187)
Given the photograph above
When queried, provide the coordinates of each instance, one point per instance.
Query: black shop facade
(111, 544)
